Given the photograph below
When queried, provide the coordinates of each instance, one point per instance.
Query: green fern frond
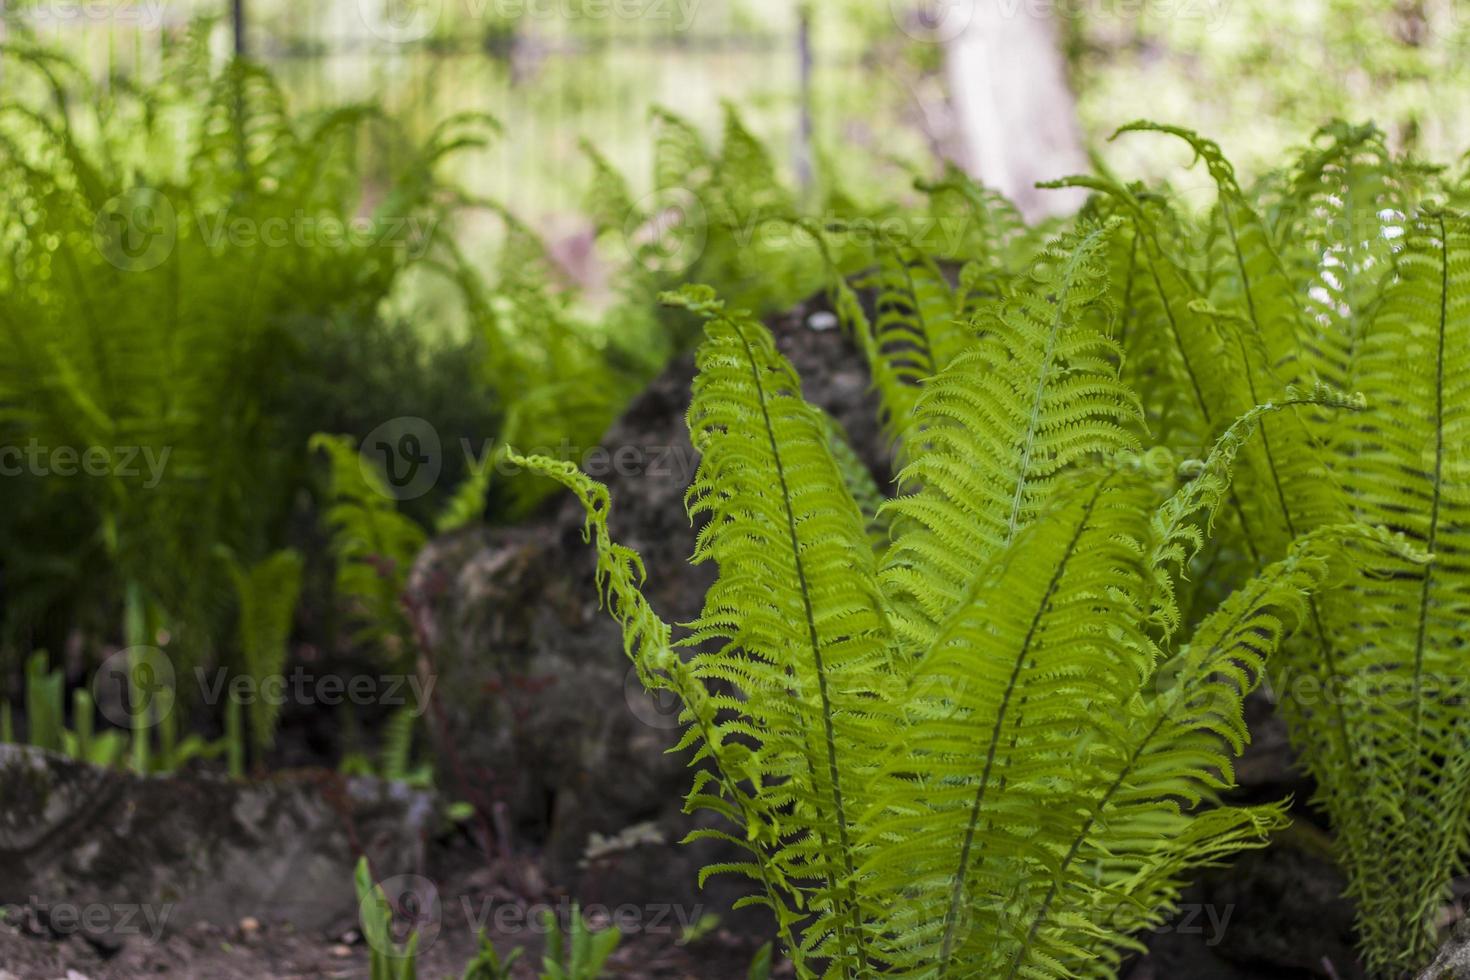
(647, 639)
(975, 224)
(1024, 792)
(1011, 676)
(860, 483)
(681, 158)
(1256, 277)
(1398, 691)
(1348, 209)
(266, 592)
(1037, 394)
(373, 543)
(796, 607)
(913, 333)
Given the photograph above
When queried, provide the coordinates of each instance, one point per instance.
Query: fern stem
(1329, 653)
(1076, 846)
(1199, 396)
(1429, 546)
(815, 641)
(1102, 805)
(951, 914)
(1044, 374)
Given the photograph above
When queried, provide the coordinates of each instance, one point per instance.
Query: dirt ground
(261, 948)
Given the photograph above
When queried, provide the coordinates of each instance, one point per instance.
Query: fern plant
(991, 753)
(388, 960)
(267, 594)
(374, 545)
(138, 322)
(1344, 269)
(44, 700)
(581, 953)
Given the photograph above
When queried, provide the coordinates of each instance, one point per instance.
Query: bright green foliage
(913, 332)
(581, 953)
(860, 483)
(910, 311)
(374, 544)
(1044, 377)
(267, 593)
(159, 249)
(44, 712)
(1394, 752)
(562, 377)
(1341, 270)
(488, 964)
(46, 720)
(1003, 767)
(721, 216)
(387, 960)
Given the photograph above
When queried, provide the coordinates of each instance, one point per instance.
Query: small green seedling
(389, 961)
(487, 964)
(580, 959)
(760, 964)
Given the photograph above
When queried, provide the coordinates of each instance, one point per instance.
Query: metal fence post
(237, 17)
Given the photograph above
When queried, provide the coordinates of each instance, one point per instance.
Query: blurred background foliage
(524, 141)
(1254, 74)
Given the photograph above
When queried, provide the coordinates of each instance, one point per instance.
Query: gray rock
(540, 708)
(140, 854)
(1453, 960)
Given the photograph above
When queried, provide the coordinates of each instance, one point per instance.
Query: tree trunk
(1016, 115)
